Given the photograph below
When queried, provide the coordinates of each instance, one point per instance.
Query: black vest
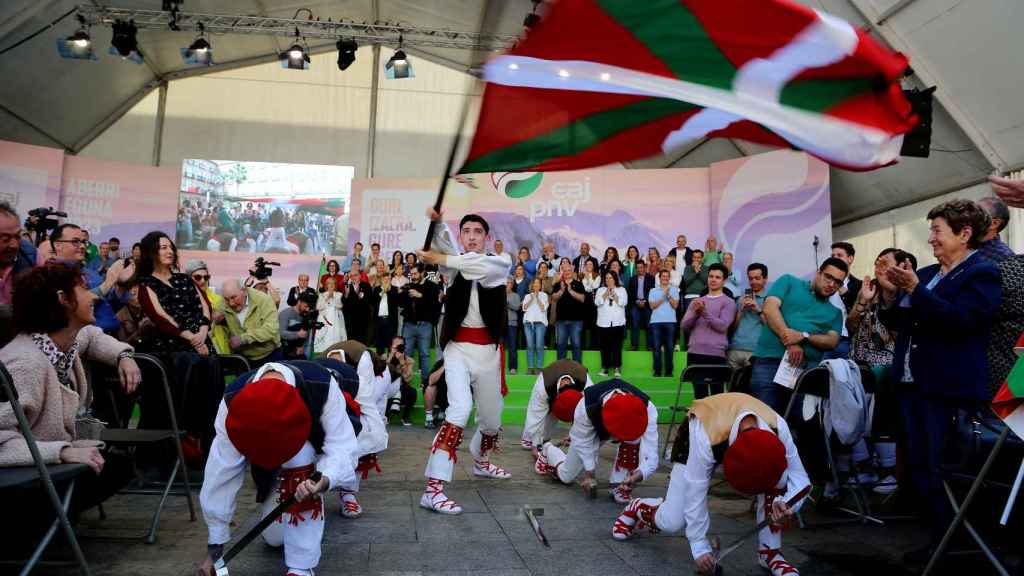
(556, 370)
(592, 401)
(492, 308)
(313, 394)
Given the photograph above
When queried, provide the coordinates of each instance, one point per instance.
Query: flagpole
(1013, 495)
(432, 229)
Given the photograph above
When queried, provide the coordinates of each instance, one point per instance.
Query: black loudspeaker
(917, 142)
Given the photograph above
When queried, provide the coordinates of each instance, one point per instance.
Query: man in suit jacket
(579, 263)
(636, 302)
(848, 292)
(687, 252)
(303, 288)
(943, 318)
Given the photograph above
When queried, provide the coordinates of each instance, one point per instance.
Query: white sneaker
(774, 563)
(527, 444)
(603, 372)
(350, 507)
(490, 471)
(440, 503)
(677, 349)
(621, 495)
(886, 485)
(299, 572)
(617, 373)
(512, 371)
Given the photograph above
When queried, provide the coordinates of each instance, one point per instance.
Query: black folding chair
(233, 364)
(985, 428)
(816, 382)
(45, 475)
(707, 373)
(126, 436)
(741, 379)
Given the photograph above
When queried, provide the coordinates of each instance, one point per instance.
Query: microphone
(816, 242)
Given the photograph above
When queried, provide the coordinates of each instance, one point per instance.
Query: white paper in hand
(787, 374)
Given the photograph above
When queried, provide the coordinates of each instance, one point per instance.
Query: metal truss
(386, 33)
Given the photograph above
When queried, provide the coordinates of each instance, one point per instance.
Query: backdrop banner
(115, 199)
(30, 176)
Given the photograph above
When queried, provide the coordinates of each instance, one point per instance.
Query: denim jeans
(512, 347)
(640, 318)
(662, 337)
(535, 344)
(566, 330)
(763, 386)
(417, 337)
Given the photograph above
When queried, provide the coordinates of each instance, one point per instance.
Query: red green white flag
(603, 81)
(1009, 401)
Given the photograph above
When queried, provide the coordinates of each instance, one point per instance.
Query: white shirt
(488, 270)
(700, 464)
(585, 441)
(538, 409)
(536, 312)
(610, 311)
(836, 300)
(225, 468)
(241, 314)
(591, 284)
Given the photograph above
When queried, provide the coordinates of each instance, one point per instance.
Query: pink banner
(30, 176)
(118, 199)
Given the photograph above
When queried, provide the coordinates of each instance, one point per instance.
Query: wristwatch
(125, 354)
(806, 336)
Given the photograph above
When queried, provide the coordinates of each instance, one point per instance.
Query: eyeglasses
(203, 277)
(8, 238)
(76, 242)
(835, 281)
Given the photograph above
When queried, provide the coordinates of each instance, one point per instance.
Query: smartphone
(749, 292)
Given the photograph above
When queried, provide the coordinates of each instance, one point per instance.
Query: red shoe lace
(777, 566)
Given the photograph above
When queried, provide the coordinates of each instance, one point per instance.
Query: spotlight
(200, 51)
(125, 42)
(296, 57)
(78, 46)
(346, 53)
(398, 66)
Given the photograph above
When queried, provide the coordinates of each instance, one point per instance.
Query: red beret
(625, 416)
(565, 404)
(268, 422)
(754, 463)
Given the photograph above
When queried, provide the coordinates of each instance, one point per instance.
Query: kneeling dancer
(375, 387)
(559, 376)
(472, 329)
(612, 410)
(286, 431)
(759, 457)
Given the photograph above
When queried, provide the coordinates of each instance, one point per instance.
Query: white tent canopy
(247, 108)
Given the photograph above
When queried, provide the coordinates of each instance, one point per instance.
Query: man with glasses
(68, 243)
(200, 274)
(800, 325)
(16, 253)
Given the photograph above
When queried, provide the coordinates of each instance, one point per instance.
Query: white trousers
(570, 464)
(302, 541)
(670, 515)
(473, 373)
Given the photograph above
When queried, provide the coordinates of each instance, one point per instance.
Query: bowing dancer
(375, 387)
(473, 324)
(755, 446)
(549, 402)
(612, 410)
(286, 431)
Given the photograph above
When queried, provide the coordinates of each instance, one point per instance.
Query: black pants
(386, 328)
(407, 402)
(704, 388)
(611, 346)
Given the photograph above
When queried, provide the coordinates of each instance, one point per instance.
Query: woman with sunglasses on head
(200, 274)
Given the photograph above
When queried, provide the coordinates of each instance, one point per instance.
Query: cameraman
(400, 367)
(259, 279)
(294, 325)
(16, 253)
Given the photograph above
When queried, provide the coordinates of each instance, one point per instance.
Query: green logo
(516, 184)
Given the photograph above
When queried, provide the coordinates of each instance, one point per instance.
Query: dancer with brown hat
(755, 446)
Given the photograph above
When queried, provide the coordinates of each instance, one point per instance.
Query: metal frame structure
(388, 33)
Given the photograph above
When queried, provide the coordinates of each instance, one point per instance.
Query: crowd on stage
(344, 353)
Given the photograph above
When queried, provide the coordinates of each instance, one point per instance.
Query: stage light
(346, 53)
(563, 73)
(398, 66)
(78, 46)
(200, 51)
(125, 41)
(513, 66)
(296, 57)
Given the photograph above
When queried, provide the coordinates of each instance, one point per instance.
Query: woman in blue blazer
(943, 318)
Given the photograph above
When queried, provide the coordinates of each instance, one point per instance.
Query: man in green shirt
(253, 328)
(800, 324)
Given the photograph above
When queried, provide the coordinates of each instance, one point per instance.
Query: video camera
(39, 221)
(262, 268)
